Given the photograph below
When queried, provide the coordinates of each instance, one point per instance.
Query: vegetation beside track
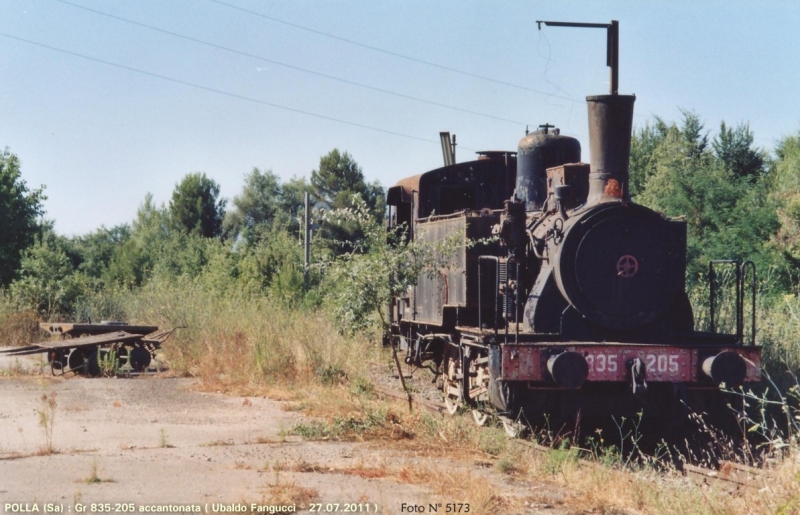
(234, 280)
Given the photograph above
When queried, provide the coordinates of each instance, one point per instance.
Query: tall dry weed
(243, 341)
(17, 328)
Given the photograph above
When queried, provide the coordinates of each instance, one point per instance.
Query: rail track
(728, 474)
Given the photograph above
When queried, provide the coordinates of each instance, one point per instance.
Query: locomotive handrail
(496, 292)
(752, 266)
(740, 269)
(711, 276)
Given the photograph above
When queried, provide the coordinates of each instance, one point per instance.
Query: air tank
(537, 152)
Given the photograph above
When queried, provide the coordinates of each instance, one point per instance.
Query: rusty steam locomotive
(576, 306)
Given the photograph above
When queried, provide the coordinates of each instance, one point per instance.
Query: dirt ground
(158, 442)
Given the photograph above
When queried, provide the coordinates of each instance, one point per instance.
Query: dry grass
(249, 345)
(291, 493)
(260, 347)
(18, 328)
(603, 484)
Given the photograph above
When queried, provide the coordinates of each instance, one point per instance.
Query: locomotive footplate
(613, 362)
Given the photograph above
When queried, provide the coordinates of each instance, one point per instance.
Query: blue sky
(100, 137)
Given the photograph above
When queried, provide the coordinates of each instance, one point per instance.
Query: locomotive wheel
(451, 387)
(480, 417)
(513, 428)
(478, 386)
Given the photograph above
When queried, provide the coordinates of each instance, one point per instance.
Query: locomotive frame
(573, 306)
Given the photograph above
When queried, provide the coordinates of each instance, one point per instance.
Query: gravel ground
(156, 441)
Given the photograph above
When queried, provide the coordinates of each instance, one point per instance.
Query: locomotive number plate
(668, 365)
(605, 364)
(662, 364)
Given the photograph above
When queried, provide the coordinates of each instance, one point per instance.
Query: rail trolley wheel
(58, 361)
(139, 359)
(451, 379)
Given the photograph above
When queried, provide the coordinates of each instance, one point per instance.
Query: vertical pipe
(613, 55)
(739, 303)
(711, 293)
(516, 306)
(307, 243)
(505, 305)
(480, 300)
(496, 295)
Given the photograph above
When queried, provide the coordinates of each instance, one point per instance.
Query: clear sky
(249, 84)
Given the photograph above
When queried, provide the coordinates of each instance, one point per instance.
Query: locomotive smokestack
(610, 124)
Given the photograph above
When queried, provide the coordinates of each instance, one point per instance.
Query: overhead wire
(290, 66)
(219, 91)
(395, 54)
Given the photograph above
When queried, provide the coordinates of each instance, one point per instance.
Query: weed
(108, 362)
(216, 443)
(94, 477)
(47, 419)
(505, 465)
(492, 441)
(291, 494)
(163, 442)
(331, 374)
(559, 458)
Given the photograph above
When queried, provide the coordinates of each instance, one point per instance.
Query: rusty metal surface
(521, 363)
(537, 152)
(451, 286)
(576, 176)
(669, 364)
(79, 329)
(435, 407)
(72, 343)
(446, 286)
(403, 191)
(729, 474)
(610, 124)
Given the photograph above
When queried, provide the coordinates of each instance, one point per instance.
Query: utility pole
(306, 243)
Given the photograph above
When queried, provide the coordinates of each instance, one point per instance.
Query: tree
(786, 193)
(340, 183)
(48, 282)
(257, 206)
(337, 178)
(132, 262)
(19, 210)
(96, 249)
(196, 206)
(734, 147)
(292, 205)
(679, 175)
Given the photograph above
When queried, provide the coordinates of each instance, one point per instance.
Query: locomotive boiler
(572, 303)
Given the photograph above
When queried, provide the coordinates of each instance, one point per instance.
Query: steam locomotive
(572, 303)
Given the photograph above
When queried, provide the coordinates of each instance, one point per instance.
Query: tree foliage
(361, 282)
(48, 281)
(718, 189)
(19, 211)
(785, 194)
(196, 206)
(734, 149)
(339, 182)
(256, 206)
(265, 204)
